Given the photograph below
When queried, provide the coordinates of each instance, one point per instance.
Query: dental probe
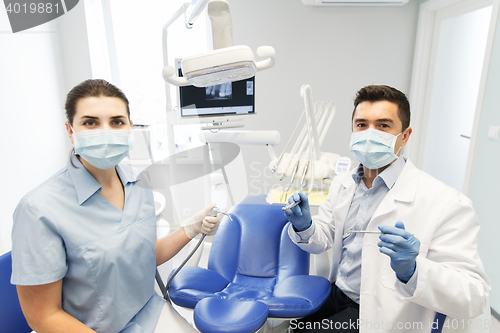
(293, 204)
(350, 232)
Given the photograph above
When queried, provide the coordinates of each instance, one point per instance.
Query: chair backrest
(11, 316)
(254, 248)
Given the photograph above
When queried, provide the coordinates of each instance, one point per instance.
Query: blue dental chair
(11, 316)
(254, 272)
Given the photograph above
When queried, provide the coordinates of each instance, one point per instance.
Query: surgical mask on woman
(103, 148)
(373, 148)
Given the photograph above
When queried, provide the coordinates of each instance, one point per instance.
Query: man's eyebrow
(93, 117)
(381, 120)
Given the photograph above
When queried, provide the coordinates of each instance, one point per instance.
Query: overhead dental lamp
(226, 63)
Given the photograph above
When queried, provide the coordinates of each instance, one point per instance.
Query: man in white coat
(421, 256)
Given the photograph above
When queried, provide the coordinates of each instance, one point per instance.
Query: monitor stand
(210, 126)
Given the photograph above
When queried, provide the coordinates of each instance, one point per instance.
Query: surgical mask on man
(373, 148)
(103, 148)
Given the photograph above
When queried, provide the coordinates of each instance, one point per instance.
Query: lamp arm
(168, 74)
(265, 52)
(195, 13)
(222, 25)
(164, 35)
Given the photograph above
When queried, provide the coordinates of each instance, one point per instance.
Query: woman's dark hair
(385, 93)
(91, 88)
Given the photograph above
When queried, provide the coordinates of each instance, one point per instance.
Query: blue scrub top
(64, 229)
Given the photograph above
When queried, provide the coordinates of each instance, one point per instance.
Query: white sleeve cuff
(406, 290)
(306, 234)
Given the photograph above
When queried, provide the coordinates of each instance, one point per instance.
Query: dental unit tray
(305, 161)
(276, 197)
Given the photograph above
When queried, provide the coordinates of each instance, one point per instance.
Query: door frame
(424, 65)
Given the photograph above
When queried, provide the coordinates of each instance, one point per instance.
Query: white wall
(336, 50)
(485, 182)
(74, 47)
(36, 70)
(32, 136)
(459, 64)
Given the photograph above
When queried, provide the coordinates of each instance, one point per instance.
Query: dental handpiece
(293, 204)
(216, 211)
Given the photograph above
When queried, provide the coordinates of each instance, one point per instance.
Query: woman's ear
(69, 130)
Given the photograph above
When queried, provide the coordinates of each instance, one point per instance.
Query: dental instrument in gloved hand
(293, 204)
(213, 213)
(350, 232)
(299, 214)
(402, 247)
(204, 222)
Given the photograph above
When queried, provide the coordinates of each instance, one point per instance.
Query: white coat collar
(404, 188)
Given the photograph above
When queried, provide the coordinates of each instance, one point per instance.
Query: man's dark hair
(375, 93)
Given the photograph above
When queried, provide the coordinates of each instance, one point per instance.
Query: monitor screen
(233, 98)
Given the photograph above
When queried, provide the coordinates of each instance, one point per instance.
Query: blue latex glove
(402, 247)
(300, 215)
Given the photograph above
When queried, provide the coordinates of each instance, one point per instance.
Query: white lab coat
(450, 277)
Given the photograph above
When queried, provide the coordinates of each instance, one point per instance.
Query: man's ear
(406, 136)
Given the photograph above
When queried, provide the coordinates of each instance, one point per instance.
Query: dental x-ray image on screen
(232, 98)
(220, 91)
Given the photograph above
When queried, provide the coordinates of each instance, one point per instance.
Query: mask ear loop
(397, 140)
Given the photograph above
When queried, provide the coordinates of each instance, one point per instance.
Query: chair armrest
(311, 288)
(199, 279)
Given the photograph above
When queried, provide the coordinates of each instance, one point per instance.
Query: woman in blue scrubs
(84, 245)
